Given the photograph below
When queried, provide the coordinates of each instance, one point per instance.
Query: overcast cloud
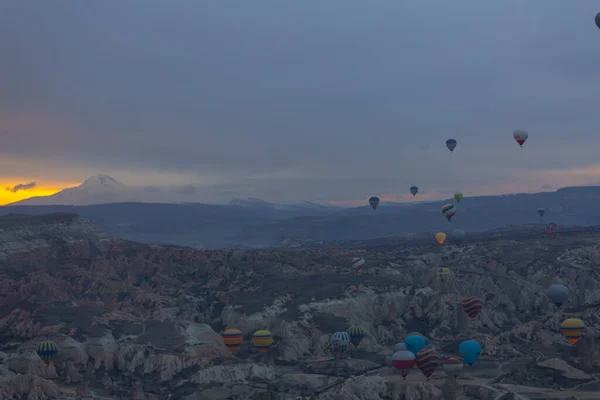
(315, 100)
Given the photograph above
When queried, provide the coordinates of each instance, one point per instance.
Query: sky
(289, 101)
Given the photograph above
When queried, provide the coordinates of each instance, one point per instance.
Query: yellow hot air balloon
(443, 273)
(440, 237)
(458, 196)
(572, 329)
(262, 340)
(233, 339)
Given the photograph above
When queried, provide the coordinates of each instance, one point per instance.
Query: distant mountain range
(255, 223)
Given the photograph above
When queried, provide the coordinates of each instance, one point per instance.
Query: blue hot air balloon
(451, 144)
(415, 343)
(374, 202)
(469, 351)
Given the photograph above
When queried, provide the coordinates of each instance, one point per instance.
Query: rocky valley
(139, 321)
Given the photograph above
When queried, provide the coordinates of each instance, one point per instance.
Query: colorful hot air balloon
(469, 350)
(458, 196)
(404, 361)
(46, 349)
(557, 293)
(374, 202)
(443, 274)
(427, 361)
(458, 236)
(262, 340)
(340, 341)
(356, 335)
(233, 339)
(414, 190)
(472, 306)
(520, 136)
(357, 263)
(414, 343)
(572, 329)
(449, 210)
(541, 211)
(440, 237)
(452, 366)
(451, 144)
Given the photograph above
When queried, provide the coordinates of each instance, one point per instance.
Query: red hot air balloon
(403, 360)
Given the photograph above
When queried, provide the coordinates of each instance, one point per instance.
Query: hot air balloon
(472, 306)
(452, 366)
(399, 347)
(340, 341)
(449, 210)
(357, 263)
(597, 19)
(443, 274)
(458, 236)
(458, 196)
(374, 202)
(233, 339)
(572, 329)
(356, 335)
(414, 343)
(404, 361)
(469, 350)
(414, 190)
(440, 237)
(451, 144)
(46, 349)
(557, 293)
(262, 340)
(520, 136)
(427, 361)
(541, 211)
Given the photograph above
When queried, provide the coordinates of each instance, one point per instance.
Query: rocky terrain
(135, 321)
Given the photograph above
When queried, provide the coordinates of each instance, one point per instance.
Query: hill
(137, 321)
(254, 223)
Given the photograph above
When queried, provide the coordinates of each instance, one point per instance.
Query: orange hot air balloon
(572, 329)
(440, 237)
(262, 340)
(233, 339)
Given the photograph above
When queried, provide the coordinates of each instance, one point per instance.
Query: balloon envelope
(444, 273)
(414, 343)
(262, 340)
(46, 349)
(356, 335)
(572, 329)
(440, 237)
(449, 210)
(472, 306)
(557, 293)
(469, 351)
(374, 202)
(451, 144)
(399, 347)
(452, 366)
(541, 211)
(340, 340)
(232, 338)
(458, 196)
(520, 136)
(427, 360)
(403, 360)
(597, 19)
(414, 190)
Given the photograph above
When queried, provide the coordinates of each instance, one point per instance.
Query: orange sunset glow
(44, 188)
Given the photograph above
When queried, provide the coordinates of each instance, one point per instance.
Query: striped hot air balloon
(452, 366)
(46, 349)
(472, 306)
(356, 335)
(340, 341)
(427, 361)
(357, 263)
(572, 329)
(262, 340)
(232, 338)
(449, 210)
(404, 361)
